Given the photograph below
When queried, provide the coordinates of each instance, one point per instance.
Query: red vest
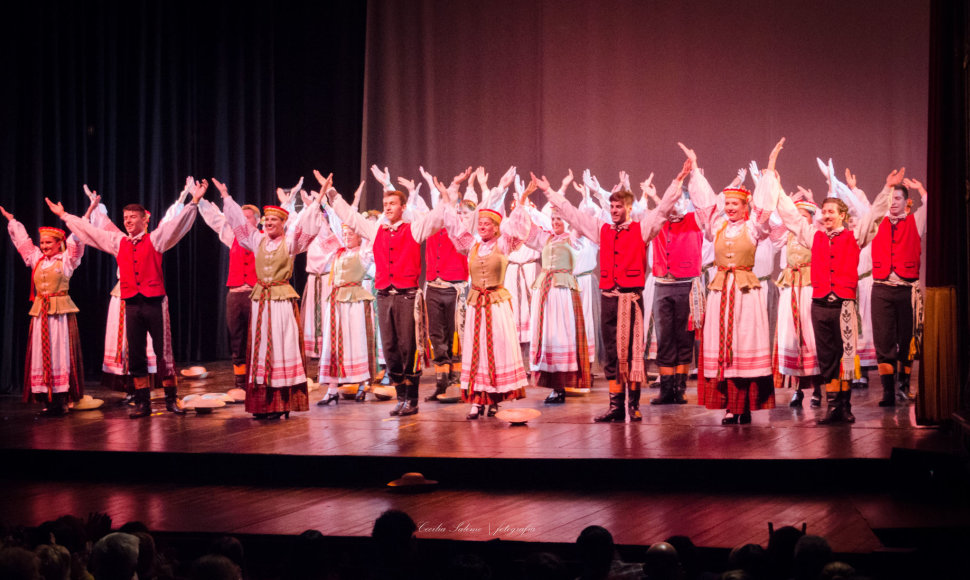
(835, 265)
(140, 265)
(397, 258)
(896, 248)
(242, 266)
(677, 249)
(623, 257)
(443, 260)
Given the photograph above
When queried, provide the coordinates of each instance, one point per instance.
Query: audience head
(19, 564)
(55, 562)
(115, 557)
(595, 545)
(394, 531)
(662, 562)
(812, 553)
(781, 548)
(214, 567)
(308, 557)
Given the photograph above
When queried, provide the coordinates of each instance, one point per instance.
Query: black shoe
(129, 399)
(556, 398)
(616, 412)
(730, 419)
(796, 399)
(410, 408)
(744, 419)
(492, 410)
(276, 415)
(361, 395)
(329, 398)
(668, 388)
(172, 404)
(634, 409)
(398, 408)
(475, 413)
(835, 414)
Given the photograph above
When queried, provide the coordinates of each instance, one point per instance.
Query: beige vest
(488, 272)
(274, 269)
(349, 269)
(799, 258)
(557, 255)
(52, 280)
(734, 253)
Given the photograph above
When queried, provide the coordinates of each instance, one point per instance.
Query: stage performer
(492, 369)
(677, 299)
(834, 275)
(114, 365)
(559, 354)
(348, 355)
(895, 270)
(397, 256)
(54, 371)
(142, 286)
(623, 271)
(276, 381)
(736, 357)
(794, 351)
(240, 282)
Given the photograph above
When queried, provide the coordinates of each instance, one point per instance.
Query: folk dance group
(508, 298)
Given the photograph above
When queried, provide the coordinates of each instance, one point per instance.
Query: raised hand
(684, 172)
(689, 153)
(383, 177)
(7, 214)
(92, 206)
(529, 190)
(541, 183)
(223, 189)
(307, 198)
(408, 184)
(742, 174)
(360, 190)
(506, 179)
(850, 179)
(482, 177)
(445, 194)
(895, 177)
(806, 194)
(199, 190)
(456, 180)
(624, 180)
(56, 208)
(519, 186)
(91, 194)
(914, 184)
(773, 156)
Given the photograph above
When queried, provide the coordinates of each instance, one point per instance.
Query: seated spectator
(115, 557)
(395, 549)
(781, 549)
(19, 564)
(751, 558)
(308, 557)
(214, 567)
(662, 563)
(55, 562)
(598, 556)
(812, 553)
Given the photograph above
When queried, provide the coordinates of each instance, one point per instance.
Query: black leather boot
(635, 405)
(411, 406)
(361, 395)
(902, 388)
(240, 382)
(847, 402)
(834, 415)
(680, 392)
(440, 387)
(172, 401)
(668, 386)
(888, 388)
(616, 413)
(402, 399)
(143, 404)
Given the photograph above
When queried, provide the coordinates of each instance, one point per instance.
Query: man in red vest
(623, 273)
(676, 265)
(397, 256)
(139, 256)
(835, 263)
(241, 279)
(895, 271)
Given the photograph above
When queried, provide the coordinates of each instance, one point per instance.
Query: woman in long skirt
(277, 370)
(53, 373)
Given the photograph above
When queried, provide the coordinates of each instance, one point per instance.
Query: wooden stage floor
(678, 472)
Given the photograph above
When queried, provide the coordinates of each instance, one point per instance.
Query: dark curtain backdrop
(549, 85)
(130, 97)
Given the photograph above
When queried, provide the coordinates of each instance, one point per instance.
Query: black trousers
(609, 312)
(239, 306)
(892, 322)
(828, 337)
(671, 310)
(441, 304)
(395, 314)
(143, 318)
